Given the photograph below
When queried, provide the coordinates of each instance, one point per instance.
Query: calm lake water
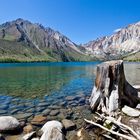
(58, 90)
(30, 80)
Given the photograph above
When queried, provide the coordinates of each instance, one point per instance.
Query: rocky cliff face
(124, 42)
(36, 40)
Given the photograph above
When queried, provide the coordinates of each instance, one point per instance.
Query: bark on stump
(111, 90)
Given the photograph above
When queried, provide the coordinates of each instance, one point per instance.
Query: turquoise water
(30, 80)
(30, 88)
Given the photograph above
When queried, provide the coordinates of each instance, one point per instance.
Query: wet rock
(23, 116)
(3, 107)
(68, 124)
(39, 120)
(46, 112)
(61, 116)
(28, 128)
(2, 112)
(44, 104)
(50, 118)
(40, 109)
(9, 123)
(130, 111)
(71, 98)
(54, 107)
(31, 110)
(63, 103)
(14, 111)
(52, 130)
(82, 100)
(29, 136)
(54, 112)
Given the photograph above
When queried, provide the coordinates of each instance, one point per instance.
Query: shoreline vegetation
(40, 60)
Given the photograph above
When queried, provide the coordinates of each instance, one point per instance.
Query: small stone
(68, 124)
(29, 136)
(54, 107)
(28, 128)
(39, 120)
(138, 106)
(54, 112)
(2, 112)
(14, 111)
(40, 109)
(130, 111)
(44, 104)
(46, 112)
(71, 98)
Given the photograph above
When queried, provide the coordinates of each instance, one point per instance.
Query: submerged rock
(46, 112)
(52, 130)
(39, 120)
(130, 111)
(9, 123)
(68, 124)
(23, 116)
(54, 112)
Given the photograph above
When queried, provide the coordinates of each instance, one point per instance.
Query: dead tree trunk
(111, 90)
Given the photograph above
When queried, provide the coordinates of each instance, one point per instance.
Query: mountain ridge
(120, 44)
(24, 41)
(42, 41)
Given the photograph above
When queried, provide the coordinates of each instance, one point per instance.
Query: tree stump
(111, 90)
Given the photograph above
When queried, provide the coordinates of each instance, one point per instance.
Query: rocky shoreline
(70, 110)
(64, 123)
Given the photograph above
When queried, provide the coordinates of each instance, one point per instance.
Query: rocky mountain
(21, 40)
(123, 43)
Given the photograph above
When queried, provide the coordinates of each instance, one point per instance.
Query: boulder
(9, 123)
(130, 111)
(68, 124)
(52, 130)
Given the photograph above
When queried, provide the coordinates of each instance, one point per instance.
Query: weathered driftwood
(121, 125)
(111, 90)
(111, 131)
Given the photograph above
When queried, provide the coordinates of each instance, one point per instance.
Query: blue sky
(80, 20)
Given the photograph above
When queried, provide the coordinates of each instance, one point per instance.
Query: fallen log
(111, 131)
(121, 125)
(111, 90)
